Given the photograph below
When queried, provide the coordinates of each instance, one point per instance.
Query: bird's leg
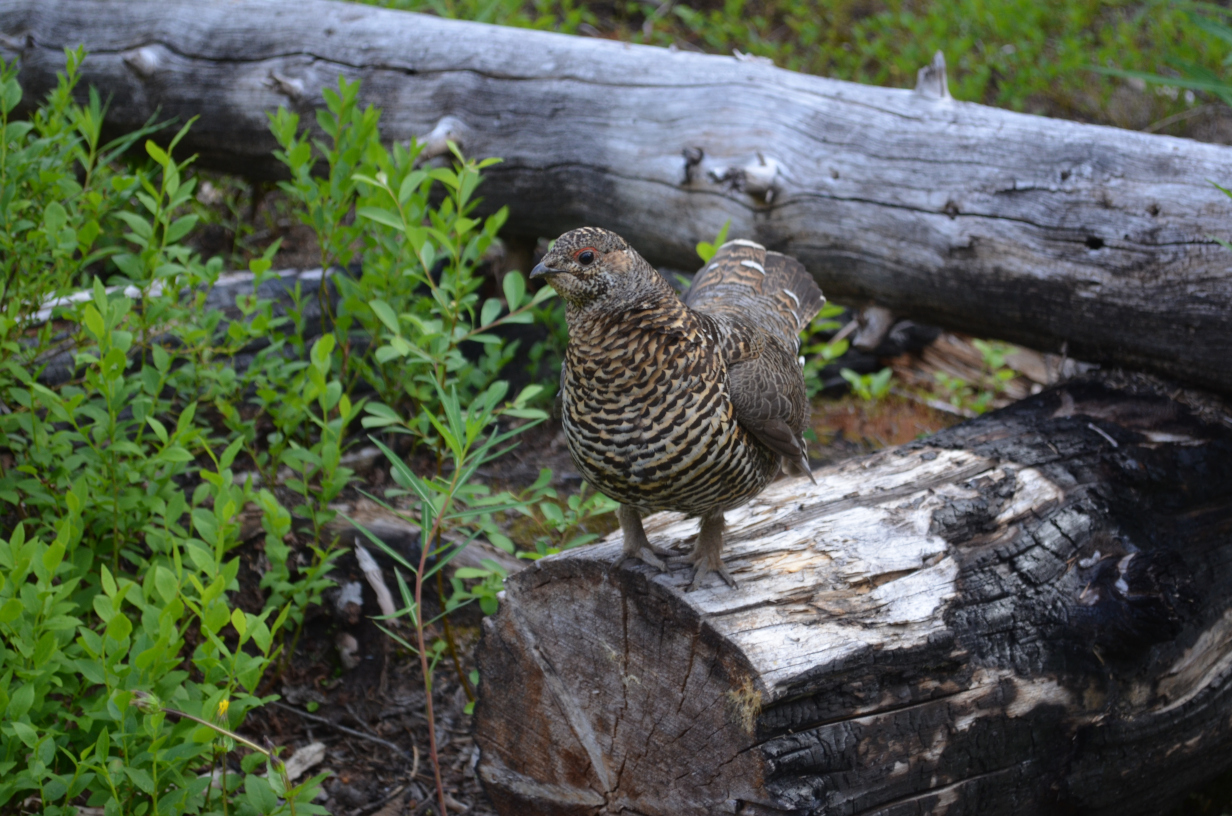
(636, 545)
(707, 553)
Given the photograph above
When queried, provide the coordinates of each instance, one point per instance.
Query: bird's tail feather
(743, 277)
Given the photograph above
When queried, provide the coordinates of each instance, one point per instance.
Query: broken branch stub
(985, 221)
(1015, 616)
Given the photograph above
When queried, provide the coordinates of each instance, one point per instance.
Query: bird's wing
(757, 302)
(769, 399)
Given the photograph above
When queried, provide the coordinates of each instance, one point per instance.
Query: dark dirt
(371, 717)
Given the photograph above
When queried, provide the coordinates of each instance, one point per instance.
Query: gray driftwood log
(1027, 614)
(1033, 230)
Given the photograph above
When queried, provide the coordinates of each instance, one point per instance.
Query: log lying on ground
(995, 223)
(1030, 613)
(59, 364)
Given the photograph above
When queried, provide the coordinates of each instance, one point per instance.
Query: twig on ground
(350, 731)
(935, 404)
(355, 715)
(375, 806)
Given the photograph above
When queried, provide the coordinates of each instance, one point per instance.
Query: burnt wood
(1029, 613)
(1037, 231)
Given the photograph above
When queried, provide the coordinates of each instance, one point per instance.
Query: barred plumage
(686, 406)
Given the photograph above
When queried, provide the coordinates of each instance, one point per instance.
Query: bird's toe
(647, 555)
(701, 571)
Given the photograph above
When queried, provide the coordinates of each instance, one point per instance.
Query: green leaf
(54, 217)
(239, 622)
(216, 617)
(410, 184)
(10, 95)
(525, 413)
(119, 627)
(166, 584)
(515, 289)
(10, 610)
(141, 778)
(25, 733)
(706, 251)
(92, 671)
(44, 649)
(491, 310)
(109, 584)
(94, 321)
(528, 393)
(260, 795)
(181, 227)
(160, 430)
(175, 453)
(53, 556)
(381, 216)
(20, 702)
(157, 153)
(140, 227)
(385, 314)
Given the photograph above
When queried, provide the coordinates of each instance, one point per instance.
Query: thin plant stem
(451, 644)
(423, 658)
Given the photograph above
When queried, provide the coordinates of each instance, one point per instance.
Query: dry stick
(349, 731)
(935, 404)
(377, 805)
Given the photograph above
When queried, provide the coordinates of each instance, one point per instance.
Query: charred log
(1029, 613)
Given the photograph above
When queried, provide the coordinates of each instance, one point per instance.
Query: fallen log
(994, 223)
(59, 364)
(1029, 613)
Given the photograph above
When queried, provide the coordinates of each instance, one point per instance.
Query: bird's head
(592, 267)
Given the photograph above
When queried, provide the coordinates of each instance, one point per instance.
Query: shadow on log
(1029, 613)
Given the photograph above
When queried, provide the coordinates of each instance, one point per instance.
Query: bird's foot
(636, 545)
(701, 571)
(647, 553)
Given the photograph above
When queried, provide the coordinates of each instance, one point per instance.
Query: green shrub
(871, 387)
(125, 664)
(408, 314)
(120, 503)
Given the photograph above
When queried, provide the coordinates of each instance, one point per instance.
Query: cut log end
(628, 696)
(1026, 613)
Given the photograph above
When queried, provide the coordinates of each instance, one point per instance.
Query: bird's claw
(701, 572)
(647, 554)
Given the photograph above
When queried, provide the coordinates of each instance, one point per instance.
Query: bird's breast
(649, 422)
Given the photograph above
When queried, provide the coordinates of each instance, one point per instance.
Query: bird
(692, 406)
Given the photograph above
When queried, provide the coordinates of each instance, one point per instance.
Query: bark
(1000, 224)
(1029, 613)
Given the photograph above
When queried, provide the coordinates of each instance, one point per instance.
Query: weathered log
(59, 364)
(1029, 613)
(995, 223)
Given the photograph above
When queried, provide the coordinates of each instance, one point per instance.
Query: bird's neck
(652, 312)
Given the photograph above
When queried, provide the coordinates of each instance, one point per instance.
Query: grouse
(689, 406)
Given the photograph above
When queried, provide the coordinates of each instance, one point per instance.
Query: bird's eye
(585, 256)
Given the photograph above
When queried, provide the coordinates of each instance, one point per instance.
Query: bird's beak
(542, 271)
